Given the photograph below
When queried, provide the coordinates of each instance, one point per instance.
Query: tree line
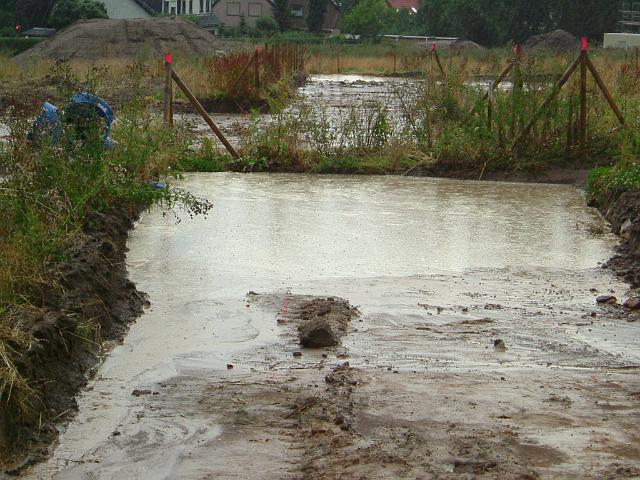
(497, 22)
(487, 22)
(43, 13)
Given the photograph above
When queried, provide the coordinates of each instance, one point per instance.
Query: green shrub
(16, 45)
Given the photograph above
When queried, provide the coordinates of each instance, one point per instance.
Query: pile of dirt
(325, 322)
(558, 41)
(94, 40)
(87, 299)
(622, 210)
(464, 46)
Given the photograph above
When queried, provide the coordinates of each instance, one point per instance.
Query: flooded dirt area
(464, 339)
(325, 98)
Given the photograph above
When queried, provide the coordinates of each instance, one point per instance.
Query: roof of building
(39, 32)
(404, 4)
(146, 7)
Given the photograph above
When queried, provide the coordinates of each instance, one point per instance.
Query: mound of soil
(136, 38)
(557, 41)
(464, 45)
(325, 322)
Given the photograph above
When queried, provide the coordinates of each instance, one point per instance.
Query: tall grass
(47, 191)
(442, 124)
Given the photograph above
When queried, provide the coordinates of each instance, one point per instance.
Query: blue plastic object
(47, 124)
(97, 106)
(82, 109)
(158, 185)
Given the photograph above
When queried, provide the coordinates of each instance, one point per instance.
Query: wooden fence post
(490, 110)
(557, 87)
(583, 96)
(203, 113)
(516, 93)
(437, 57)
(605, 91)
(256, 68)
(168, 90)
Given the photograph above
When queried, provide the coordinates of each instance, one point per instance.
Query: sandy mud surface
(477, 349)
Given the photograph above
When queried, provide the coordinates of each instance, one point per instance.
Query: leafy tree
(65, 12)
(402, 22)
(282, 14)
(315, 17)
(33, 13)
(367, 19)
(496, 22)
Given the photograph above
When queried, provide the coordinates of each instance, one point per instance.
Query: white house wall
(124, 9)
(621, 40)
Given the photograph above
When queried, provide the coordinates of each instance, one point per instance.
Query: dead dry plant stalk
(17, 396)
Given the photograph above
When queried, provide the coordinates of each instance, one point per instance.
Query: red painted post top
(258, 48)
(18, 28)
(585, 44)
(517, 49)
(168, 59)
(433, 47)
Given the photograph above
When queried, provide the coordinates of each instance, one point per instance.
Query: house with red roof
(411, 5)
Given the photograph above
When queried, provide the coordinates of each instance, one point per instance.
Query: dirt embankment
(622, 210)
(95, 40)
(87, 300)
(558, 41)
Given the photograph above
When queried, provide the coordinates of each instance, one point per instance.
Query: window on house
(184, 7)
(190, 6)
(173, 10)
(255, 10)
(165, 6)
(201, 7)
(297, 10)
(233, 8)
(208, 6)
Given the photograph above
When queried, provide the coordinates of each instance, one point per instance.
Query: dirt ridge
(88, 299)
(619, 207)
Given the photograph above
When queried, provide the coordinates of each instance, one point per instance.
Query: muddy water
(438, 269)
(330, 97)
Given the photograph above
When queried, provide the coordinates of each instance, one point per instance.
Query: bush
(266, 26)
(16, 45)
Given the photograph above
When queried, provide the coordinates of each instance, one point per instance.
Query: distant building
(202, 9)
(213, 13)
(621, 40)
(128, 9)
(411, 5)
(629, 19)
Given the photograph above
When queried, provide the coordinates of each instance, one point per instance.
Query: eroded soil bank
(86, 304)
(622, 210)
(213, 383)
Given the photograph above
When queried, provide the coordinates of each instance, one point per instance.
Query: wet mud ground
(330, 97)
(212, 383)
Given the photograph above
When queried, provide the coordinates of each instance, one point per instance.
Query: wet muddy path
(212, 383)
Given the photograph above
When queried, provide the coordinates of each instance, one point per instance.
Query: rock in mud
(325, 321)
(318, 333)
(633, 303)
(607, 299)
(499, 345)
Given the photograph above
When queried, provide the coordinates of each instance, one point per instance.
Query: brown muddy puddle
(337, 101)
(206, 384)
(330, 98)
